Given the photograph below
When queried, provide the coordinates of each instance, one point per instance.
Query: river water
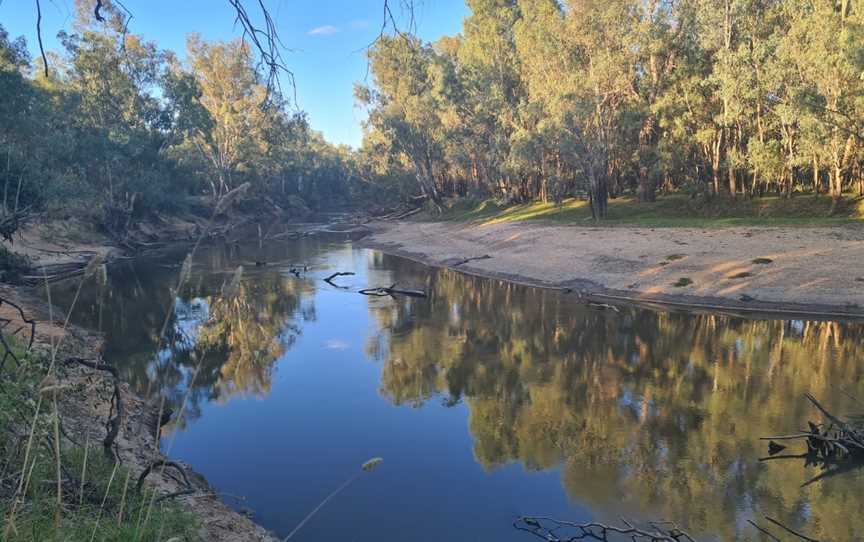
(486, 401)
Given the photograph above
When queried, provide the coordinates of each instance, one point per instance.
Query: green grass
(676, 210)
(98, 507)
(682, 282)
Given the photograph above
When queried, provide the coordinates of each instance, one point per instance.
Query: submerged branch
(553, 530)
(384, 291)
(329, 280)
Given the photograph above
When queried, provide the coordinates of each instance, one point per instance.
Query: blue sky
(326, 39)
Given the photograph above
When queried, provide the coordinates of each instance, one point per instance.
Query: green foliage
(668, 211)
(683, 282)
(92, 506)
(543, 100)
(120, 129)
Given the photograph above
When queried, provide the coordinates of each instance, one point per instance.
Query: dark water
(486, 401)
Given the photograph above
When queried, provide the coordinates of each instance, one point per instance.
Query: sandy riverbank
(814, 271)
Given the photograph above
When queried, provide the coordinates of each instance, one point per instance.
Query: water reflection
(213, 344)
(653, 412)
(643, 413)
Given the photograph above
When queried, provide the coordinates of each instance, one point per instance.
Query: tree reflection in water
(233, 341)
(651, 414)
(651, 411)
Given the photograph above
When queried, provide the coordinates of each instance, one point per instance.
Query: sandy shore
(816, 271)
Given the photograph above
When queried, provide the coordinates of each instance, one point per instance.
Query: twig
(790, 530)
(765, 531)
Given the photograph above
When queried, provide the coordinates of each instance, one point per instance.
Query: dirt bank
(86, 405)
(812, 271)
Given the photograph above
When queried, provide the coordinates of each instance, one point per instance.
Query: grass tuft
(682, 282)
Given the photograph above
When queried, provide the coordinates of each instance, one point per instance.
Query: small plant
(682, 282)
(674, 257)
(762, 261)
(741, 275)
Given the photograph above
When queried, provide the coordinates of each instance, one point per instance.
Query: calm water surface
(486, 401)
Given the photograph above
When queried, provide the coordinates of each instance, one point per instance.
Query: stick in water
(366, 467)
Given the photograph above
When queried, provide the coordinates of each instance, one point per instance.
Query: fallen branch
(763, 530)
(596, 305)
(329, 280)
(827, 443)
(475, 258)
(548, 529)
(392, 291)
(791, 531)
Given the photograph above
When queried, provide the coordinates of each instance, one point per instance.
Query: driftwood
(329, 280)
(466, 260)
(54, 272)
(607, 306)
(828, 442)
(384, 291)
(289, 235)
(553, 530)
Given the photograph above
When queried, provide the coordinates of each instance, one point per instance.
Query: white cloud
(326, 30)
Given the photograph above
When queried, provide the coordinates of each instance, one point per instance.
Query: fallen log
(466, 260)
(383, 291)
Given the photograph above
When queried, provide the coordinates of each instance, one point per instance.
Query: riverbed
(487, 400)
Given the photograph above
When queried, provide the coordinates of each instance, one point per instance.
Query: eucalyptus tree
(825, 45)
(404, 109)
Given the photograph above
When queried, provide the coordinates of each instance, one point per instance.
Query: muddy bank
(812, 272)
(61, 249)
(85, 406)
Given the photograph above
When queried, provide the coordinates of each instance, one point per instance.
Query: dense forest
(542, 99)
(113, 129)
(534, 100)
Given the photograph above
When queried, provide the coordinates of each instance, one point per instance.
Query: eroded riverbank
(85, 406)
(784, 271)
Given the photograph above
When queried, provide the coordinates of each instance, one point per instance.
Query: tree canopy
(541, 99)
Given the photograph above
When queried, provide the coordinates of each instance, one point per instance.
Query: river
(486, 401)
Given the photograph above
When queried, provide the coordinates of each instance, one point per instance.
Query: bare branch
(39, 36)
